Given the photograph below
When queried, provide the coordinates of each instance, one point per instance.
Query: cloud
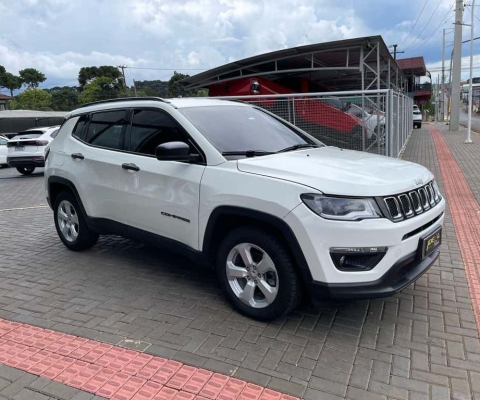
(58, 37)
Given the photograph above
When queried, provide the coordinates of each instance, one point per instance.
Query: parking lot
(420, 344)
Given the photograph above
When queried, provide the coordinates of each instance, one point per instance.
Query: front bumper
(30, 161)
(402, 274)
(317, 236)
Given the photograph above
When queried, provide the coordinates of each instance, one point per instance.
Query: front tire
(71, 225)
(26, 170)
(257, 274)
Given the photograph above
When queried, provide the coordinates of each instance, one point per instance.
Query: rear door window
(107, 129)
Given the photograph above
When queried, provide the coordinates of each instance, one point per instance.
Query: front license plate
(431, 242)
(19, 148)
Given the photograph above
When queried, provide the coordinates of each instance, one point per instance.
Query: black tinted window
(240, 128)
(28, 135)
(77, 131)
(106, 129)
(151, 128)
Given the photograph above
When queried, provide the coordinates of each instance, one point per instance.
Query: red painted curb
(114, 372)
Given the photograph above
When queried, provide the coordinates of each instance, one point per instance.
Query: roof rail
(124, 99)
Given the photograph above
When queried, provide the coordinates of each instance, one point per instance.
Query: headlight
(341, 208)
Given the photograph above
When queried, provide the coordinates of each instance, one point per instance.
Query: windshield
(29, 135)
(334, 102)
(240, 128)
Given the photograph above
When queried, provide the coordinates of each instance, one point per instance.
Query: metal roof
(413, 65)
(337, 65)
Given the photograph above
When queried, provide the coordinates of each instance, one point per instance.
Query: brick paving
(420, 344)
(115, 372)
(464, 208)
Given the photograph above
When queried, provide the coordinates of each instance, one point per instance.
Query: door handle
(78, 156)
(130, 167)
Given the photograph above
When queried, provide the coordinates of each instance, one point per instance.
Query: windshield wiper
(247, 153)
(297, 146)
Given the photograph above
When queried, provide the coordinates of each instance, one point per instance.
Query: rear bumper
(402, 274)
(31, 161)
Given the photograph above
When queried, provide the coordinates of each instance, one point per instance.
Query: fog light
(357, 258)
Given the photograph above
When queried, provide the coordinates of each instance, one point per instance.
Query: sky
(155, 37)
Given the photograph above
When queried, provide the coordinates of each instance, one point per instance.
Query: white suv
(26, 150)
(275, 211)
(417, 117)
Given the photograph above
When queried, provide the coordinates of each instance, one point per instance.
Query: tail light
(27, 143)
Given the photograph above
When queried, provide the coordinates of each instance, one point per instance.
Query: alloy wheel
(252, 275)
(68, 220)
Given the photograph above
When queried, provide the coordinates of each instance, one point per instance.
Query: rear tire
(26, 170)
(265, 287)
(70, 223)
(356, 138)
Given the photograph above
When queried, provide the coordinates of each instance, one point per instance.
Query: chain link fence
(373, 121)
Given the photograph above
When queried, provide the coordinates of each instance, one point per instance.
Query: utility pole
(457, 67)
(122, 67)
(442, 101)
(395, 52)
(135, 88)
(470, 97)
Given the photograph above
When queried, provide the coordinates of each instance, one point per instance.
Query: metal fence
(373, 121)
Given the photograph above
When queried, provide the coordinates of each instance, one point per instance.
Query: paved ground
(464, 119)
(420, 344)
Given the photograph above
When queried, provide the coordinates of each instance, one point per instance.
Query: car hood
(340, 172)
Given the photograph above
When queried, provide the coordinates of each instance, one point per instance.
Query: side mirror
(348, 106)
(175, 151)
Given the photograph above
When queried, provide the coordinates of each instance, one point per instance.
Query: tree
(100, 89)
(174, 88)
(64, 98)
(31, 77)
(11, 82)
(32, 99)
(87, 75)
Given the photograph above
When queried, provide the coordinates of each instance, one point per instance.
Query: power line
(443, 21)
(415, 24)
(418, 37)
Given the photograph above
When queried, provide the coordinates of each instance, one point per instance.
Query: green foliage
(32, 99)
(64, 98)
(102, 88)
(31, 77)
(89, 74)
(10, 81)
(176, 89)
(155, 88)
(2, 70)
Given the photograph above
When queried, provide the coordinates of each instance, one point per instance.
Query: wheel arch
(56, 185)
(225, 218)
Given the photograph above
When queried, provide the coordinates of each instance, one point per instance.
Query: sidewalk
(122, 296)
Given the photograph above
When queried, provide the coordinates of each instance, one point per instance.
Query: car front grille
(410, 204)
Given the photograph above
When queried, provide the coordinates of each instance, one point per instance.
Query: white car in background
(3, 151)
(417, 117)
(26, 151)
(374, 122)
